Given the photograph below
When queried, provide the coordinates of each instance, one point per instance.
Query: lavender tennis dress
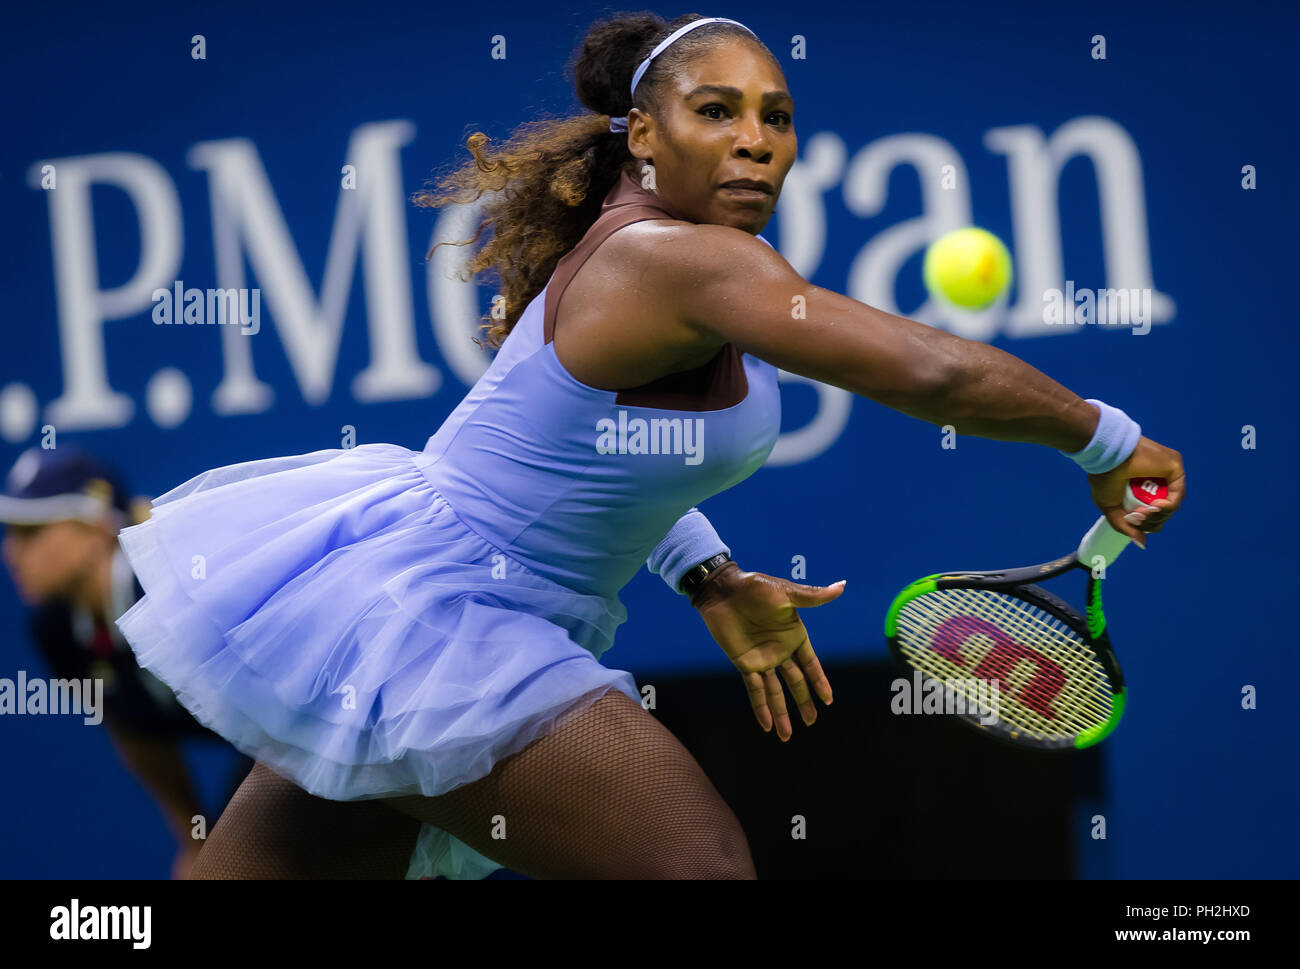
(377, 621)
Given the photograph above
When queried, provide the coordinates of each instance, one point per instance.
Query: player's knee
(734, 858)
(722, 854)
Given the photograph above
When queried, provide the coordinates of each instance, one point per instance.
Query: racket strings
(1050, 681)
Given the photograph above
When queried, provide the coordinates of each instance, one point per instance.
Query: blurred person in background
(62, 510)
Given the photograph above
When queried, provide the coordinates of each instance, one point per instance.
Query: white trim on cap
(42, 511)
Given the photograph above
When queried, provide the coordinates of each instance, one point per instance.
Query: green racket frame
(1018, 584)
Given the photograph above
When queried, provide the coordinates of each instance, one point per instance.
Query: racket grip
(1102, 540)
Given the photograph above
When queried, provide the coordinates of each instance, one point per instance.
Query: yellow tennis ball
(968, 267)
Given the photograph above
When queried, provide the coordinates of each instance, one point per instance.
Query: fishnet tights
(609, 793)
(273, 829)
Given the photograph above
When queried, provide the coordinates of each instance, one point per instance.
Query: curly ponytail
(551, 177)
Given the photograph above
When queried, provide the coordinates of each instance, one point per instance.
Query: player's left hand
(754, 619)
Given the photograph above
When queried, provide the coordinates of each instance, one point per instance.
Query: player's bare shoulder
(672, 278)
(680, 257)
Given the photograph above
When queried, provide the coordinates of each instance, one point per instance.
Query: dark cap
(59, 484)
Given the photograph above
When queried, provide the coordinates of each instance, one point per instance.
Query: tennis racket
(1050, 673)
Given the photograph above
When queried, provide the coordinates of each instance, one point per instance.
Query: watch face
(699, 573)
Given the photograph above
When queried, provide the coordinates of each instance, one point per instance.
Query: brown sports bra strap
(627, 202)
(717, 384)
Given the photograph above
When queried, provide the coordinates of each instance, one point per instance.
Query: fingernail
(1135, 517)
(841, 582)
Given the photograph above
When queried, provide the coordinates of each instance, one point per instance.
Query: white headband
(620, 124)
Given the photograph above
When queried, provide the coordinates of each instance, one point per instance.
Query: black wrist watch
(695, 576)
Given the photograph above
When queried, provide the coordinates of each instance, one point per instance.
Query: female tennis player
(408, 642)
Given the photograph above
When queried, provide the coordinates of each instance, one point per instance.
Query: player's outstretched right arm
(728, 286)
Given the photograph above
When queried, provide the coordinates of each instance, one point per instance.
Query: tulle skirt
(332, 617)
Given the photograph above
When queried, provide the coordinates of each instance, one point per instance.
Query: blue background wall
(1200, 787)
